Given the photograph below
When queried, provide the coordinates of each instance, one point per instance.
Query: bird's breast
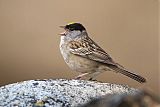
(63, 49)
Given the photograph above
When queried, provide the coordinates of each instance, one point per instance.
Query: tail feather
(129, 74)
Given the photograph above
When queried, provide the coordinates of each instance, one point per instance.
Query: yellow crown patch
(71, 23)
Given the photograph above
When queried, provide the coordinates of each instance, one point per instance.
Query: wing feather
(87, 48)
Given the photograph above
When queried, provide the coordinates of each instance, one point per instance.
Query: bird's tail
(129, 74)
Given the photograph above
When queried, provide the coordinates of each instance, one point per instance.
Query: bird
(85, 56)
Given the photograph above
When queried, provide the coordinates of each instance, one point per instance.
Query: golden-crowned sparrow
(83, 55)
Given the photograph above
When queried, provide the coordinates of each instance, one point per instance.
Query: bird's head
(72, 29)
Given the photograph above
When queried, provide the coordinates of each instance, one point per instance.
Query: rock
(143, 98)
(57, 93)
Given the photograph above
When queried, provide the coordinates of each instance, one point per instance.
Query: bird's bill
(63, 33)
(62, 27)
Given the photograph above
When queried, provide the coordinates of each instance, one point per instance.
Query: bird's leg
(92, 79)
(90, 75)
(79, 77)
(93, 75)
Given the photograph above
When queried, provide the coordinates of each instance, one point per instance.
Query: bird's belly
(76, 62)
(81, 64)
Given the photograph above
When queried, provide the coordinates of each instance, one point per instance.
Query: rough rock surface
(56, 93)
(142, 98)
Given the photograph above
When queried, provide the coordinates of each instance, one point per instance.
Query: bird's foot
(78, 78)
(91, 79)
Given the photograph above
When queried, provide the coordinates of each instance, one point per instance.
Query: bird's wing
(87, 48)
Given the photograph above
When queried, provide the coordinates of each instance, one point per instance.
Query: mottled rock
(57, 93)
(143, 98)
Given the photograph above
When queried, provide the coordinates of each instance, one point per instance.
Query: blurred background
(126, 29)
